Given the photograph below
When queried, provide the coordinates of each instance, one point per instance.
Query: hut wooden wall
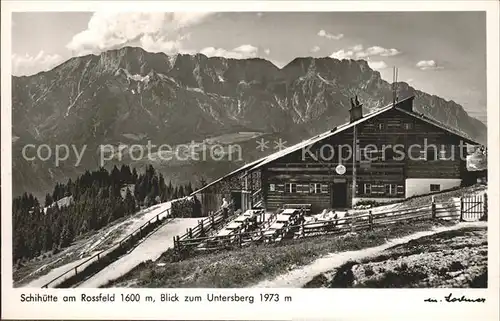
(390, 129)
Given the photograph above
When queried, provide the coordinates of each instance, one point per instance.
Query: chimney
(356, 111)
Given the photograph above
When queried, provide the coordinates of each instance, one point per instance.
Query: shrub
(396, 279)
(344, 278)
(186, 207)
(456, 266)
(367, 204)
(369, 271)
(317, 282)
(480, 281)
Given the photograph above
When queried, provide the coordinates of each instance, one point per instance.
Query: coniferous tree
(189, 189)
(134, 176)
(48, 200)
(96, 202)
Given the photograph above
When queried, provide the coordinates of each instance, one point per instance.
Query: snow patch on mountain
(136, 77)
(324, 80)
(198, 90)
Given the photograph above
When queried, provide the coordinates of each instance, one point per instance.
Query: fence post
(202, 230)
(353, 224)
(433, 208)
(302, 230)
(239, 238)
(212, 222)
(485, 206)
(178, 243)
(370, 219)
(157, 217)
(461, 208)
(190, 233)
(76, 272)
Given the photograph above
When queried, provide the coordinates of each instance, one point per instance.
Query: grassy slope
(48, 261)
(83, 246)
(425, 200)
(453, 259)
(247, 266)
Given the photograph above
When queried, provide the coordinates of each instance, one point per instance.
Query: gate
(474, 208)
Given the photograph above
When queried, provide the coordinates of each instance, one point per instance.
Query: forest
(94, 200)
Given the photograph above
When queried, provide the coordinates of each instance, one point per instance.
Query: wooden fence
(208, 225)
(364, 221)
(99, 261)
(473, 208)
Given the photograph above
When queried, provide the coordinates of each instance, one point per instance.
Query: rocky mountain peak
(130, 92)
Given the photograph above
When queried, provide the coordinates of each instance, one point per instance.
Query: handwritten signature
(450, 298)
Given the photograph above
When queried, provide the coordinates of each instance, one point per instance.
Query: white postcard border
(345, 304)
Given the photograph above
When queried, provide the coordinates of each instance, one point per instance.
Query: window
(302, 188)
(291, 188)
(368, 189)
(380, 126)
(401, 189)
(391, 189)
(431, 154)
(378, 189)
(435, 187)
(443, 153)
(428, 155)
(272, 187)
(408, 126)
(325, 189)
(315, 188)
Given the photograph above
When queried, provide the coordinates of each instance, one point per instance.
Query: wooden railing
(99, 261)
(364, 221)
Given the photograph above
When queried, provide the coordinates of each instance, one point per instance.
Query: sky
(441, 53)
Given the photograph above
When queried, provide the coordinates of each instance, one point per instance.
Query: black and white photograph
(218, 149)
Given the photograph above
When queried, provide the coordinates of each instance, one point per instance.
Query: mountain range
(130, 96)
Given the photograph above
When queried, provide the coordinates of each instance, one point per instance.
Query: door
(245, 200)
(339, 195)
(236, 196)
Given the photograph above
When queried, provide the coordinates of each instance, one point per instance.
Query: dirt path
(149, 249)
(94, 244)
(300, 276)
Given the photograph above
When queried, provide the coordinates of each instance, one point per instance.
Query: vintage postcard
(250, 160)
